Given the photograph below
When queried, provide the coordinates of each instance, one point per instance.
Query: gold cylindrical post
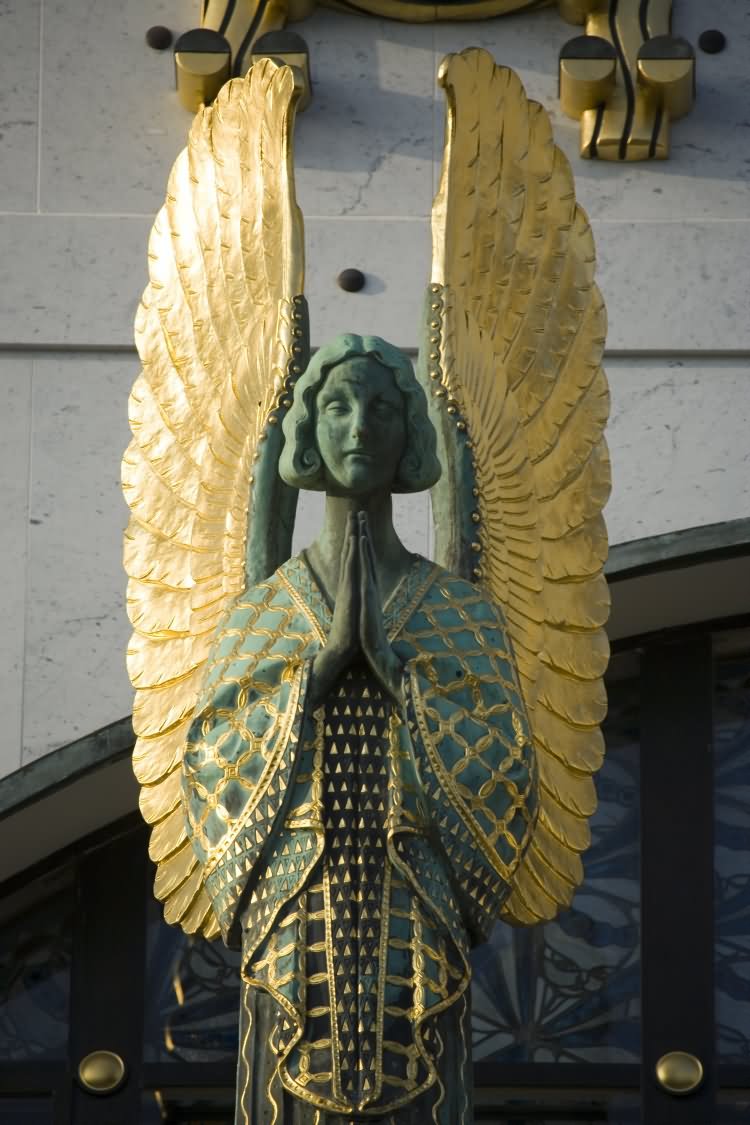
(666, 68)
(588, 67)
(203, 63)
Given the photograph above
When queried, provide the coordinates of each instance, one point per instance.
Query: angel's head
(359, 422)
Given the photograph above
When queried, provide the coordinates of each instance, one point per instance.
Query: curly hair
(301, 464)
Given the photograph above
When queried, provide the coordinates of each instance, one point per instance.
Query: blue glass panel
(733, 1107)
(548, 1106)
(569, 991)
(35, 956)
(192, 996)
(26, 1111)
(732, 858)
(188, 1107)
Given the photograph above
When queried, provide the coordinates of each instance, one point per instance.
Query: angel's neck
(391, 557)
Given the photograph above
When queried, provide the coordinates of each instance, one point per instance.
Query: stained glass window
(26, 1111)
(733, 1107)
(194, 1107)
(36, 940)
(192, 996)
(543, 1107)
(569, 991)
(732, 856)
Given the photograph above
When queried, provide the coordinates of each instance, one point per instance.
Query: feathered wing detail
(512, 365)
(221, 333)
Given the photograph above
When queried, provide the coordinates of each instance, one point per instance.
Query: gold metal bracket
(221, 47)
(626, 79)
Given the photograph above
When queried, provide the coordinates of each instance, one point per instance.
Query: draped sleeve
(244, 744)
(252, 793)
(471, 741)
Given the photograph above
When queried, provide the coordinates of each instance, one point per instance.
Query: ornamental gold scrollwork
(626, 77)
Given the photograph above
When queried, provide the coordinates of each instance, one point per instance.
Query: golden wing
(222, 333)
(514, 340)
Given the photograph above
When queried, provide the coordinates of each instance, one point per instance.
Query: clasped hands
(357, 630)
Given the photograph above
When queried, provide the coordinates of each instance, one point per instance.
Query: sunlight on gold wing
(520, 327)
(214, 334)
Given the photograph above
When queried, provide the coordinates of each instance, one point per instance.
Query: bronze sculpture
(355, 759)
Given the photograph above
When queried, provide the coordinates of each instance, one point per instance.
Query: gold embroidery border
(446, 783)
(267, 776)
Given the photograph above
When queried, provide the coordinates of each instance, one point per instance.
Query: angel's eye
(336, 407)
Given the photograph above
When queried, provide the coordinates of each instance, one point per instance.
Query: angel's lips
(360, 453)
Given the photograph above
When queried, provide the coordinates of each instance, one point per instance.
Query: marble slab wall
(89, 127)
(15, 459)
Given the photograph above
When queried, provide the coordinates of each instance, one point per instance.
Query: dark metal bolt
(351, 281)
(712, 41)
(159, 37)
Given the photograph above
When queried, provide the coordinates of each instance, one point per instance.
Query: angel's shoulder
(255, 601)
(461, 594)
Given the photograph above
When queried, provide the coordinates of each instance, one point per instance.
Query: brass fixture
(101, 1072)
(679, 1072)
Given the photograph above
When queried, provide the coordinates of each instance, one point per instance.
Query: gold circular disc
(101, 1072)
(677, 1072)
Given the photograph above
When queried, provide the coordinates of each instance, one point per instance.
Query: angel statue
(355, 760)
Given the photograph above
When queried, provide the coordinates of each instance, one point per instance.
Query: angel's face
(360, 427)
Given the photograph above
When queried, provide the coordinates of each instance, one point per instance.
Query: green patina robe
(356, 851)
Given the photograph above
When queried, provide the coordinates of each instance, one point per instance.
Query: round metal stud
(712, 41)
(159, 37)
(678, 1072)
(351, 281)
(101, 1072)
